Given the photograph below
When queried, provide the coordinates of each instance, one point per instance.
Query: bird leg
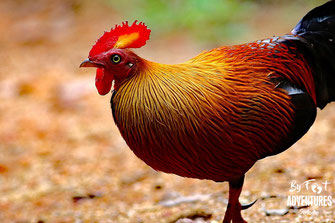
(233, 212)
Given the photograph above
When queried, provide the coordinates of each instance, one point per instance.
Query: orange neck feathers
(223, 98)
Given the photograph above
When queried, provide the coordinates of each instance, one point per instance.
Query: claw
(246, 206)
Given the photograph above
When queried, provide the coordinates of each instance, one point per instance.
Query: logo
(317, 194)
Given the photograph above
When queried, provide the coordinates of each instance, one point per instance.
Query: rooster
(215, 115)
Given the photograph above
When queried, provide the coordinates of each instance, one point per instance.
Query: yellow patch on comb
(122, 37)
(125, 40)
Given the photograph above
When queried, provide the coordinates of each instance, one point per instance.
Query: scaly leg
(233, 212)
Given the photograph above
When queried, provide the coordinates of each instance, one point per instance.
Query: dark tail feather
(315, 38)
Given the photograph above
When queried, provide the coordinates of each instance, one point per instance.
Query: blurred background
(61, 156)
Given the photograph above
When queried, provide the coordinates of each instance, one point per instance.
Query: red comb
(122, 36)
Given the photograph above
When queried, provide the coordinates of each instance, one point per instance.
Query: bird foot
(233, 214)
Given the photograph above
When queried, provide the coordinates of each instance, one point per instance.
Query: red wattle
(103, 81)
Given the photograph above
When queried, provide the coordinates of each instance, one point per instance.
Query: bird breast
(201, 120)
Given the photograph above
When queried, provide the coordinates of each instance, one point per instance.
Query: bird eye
(116, 58)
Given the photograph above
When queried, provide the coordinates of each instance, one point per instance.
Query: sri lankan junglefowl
(215, 115)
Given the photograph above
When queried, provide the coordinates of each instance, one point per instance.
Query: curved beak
(88, 63)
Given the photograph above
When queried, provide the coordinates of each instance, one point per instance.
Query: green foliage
(212, 20)
(205, 19)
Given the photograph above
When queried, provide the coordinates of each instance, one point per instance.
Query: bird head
(112, 57)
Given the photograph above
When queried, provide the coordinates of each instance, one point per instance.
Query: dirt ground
(62, 158)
